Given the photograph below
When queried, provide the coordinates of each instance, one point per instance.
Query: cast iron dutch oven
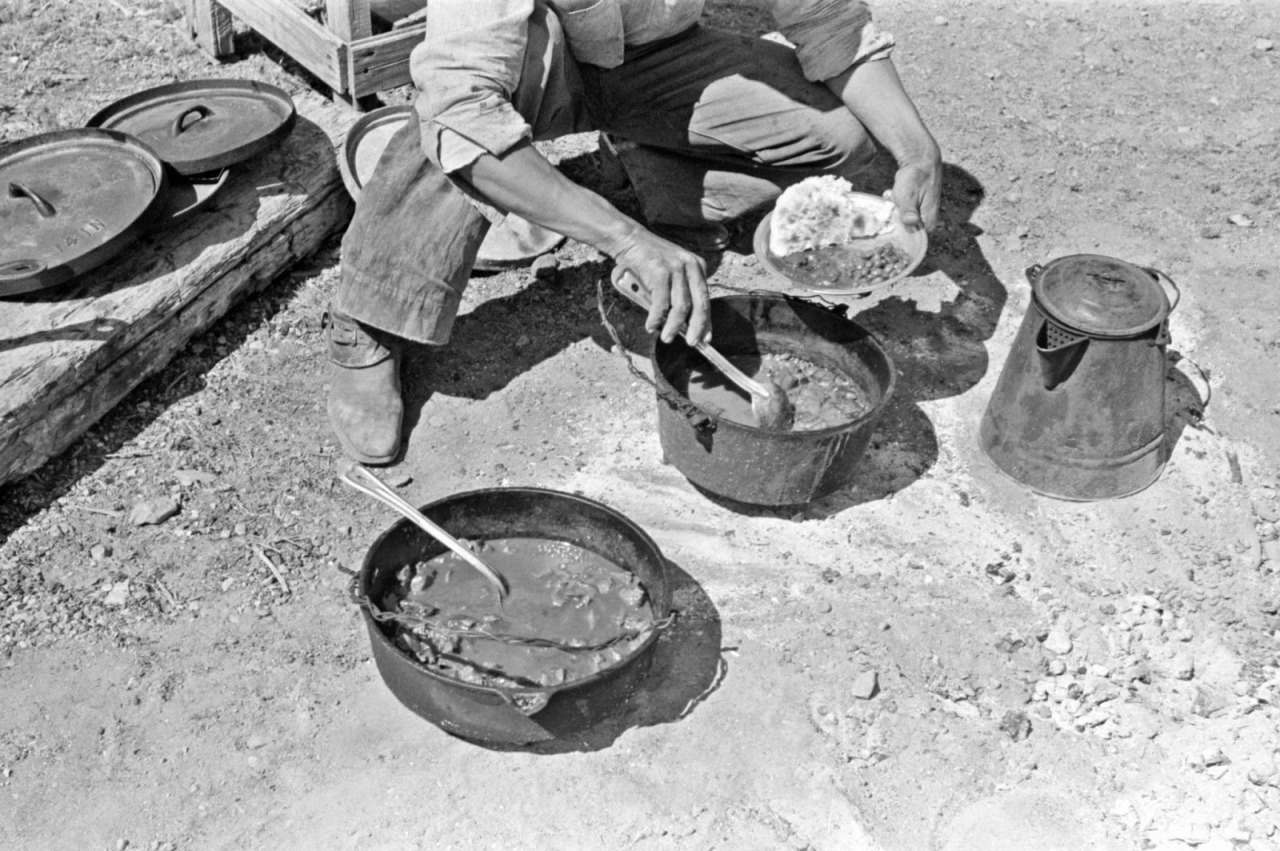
(490, 714)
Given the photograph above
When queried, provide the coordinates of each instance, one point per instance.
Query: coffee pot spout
(1060, 352)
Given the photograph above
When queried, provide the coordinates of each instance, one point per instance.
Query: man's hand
(917, 189)
(521, 181)
(676, 280)
(874, 94)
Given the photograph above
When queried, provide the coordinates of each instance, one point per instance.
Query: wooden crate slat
(210, 25)
(64, 363)
(382, 62)
(349, 19)
(311, 45)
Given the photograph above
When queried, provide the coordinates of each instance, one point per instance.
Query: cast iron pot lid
(203, 125)
(513, 243)
(1099, 295)
(70, 200)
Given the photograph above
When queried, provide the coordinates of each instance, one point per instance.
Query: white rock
(187, 478)
(866, 685)
(1057, 642)
(1183, 666)
(1146, 601)
(1121, 808)
(961, 708)
(1213, 756)
(118, 595)
(151, 512)
(1217, 842)
(1236, 833)
(1191, 832)
(1263, 45)
(1271, 551)
(1092, 719)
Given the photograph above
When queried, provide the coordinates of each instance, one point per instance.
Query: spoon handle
(630, 286)
(362, 480)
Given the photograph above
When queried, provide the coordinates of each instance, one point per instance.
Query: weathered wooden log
(68, 356)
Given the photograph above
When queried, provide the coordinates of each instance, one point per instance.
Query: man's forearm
(874, 94)
(522, 182)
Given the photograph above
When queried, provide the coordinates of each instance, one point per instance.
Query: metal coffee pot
(1078, 410)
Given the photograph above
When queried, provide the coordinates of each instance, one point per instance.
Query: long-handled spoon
(362, 480)
(769, 402)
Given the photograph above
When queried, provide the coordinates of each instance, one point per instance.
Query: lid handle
(1033, 272)
(20, 269)
(180, 125)
(1165, 281)
(43, 207)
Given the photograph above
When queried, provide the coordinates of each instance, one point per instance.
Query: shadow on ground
(24, 498)
(684, 668)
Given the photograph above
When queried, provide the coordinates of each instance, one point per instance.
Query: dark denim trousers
(717, 125)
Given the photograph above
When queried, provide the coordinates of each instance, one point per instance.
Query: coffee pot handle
(1165, 281)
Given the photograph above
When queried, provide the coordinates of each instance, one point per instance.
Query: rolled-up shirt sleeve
(466, 70)
(830, 35)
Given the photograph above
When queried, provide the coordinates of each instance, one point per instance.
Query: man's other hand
(917, 190)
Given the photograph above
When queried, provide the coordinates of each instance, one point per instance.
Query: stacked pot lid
(513, 243)
(72, 199)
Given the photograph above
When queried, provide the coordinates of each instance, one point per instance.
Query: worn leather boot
(365, 408)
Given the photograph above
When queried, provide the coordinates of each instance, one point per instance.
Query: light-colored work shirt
(471, 58)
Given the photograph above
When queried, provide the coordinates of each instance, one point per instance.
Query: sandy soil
(1050, 675)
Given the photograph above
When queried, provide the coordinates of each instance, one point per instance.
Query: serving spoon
(362, 480)
(772, 408)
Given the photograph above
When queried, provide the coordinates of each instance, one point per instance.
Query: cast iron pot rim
(874, 412)
(503, 692)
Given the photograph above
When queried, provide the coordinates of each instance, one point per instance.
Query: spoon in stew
(362, 480)
(773, 410)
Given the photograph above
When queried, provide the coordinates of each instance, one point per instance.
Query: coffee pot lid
(1099, 295)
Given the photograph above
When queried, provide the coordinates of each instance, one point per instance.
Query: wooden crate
(344, 54)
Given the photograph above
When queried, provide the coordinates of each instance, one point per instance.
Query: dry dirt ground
(1051, 675)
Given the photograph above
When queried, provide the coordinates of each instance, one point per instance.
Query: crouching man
(707, 124)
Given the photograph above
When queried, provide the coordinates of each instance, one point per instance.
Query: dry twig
(275, 571)
(93, 510)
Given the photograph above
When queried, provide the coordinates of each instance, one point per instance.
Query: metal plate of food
(70, 200)
(203, 125)
(856, 266)
(516, 242)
